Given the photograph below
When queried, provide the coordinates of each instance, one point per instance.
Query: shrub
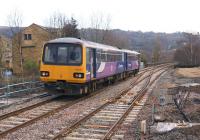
(31, 67)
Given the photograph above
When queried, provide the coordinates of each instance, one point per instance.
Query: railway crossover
(102, 123)
(28, 115)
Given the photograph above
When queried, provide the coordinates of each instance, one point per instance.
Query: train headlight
(44, 73)
(78, 75)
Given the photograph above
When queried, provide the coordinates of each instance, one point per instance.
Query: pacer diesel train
(76, 66)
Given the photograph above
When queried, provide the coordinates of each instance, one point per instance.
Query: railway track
(101, 123)
(28, 115)
(15, 120)
(20, 118)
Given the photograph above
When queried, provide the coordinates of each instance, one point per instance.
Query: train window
(114, 57)
(123, 57)
(131, 57)
(74, 55)
(50, 54)
(106, 57)
(110, 57)
(98, 57)
(62, 54)
(88, 56)
(118, 57)
(103, 56)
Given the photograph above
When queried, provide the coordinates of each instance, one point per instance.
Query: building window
(28, 46)
(27, 37)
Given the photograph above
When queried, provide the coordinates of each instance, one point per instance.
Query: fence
(18, 88)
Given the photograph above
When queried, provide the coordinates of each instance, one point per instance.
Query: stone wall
(31, 49)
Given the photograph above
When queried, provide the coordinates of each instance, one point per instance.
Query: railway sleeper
(115, 109)
(32, 116)
(132, 115)
(7, 125)
(36, 113)
(19, 119)
(42, 111)
(85, 130)
(106, 117)
(86, 135)
(105, 122)
(13, 122)
(109, 114)
(100, 123)
(117, 137)
(89, 126)
(118, 107)
(46, 109)
(75, 138)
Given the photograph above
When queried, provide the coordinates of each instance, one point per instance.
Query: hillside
(136, 40)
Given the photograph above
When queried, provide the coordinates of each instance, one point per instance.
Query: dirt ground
(169, 111)
(188, 72)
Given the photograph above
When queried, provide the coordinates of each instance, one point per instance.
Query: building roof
(33, 24)
(7, 32)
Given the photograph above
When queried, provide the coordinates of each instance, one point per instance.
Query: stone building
(5, 52)
(28, 43)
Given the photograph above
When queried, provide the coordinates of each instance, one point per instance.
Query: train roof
(66, 40)
(85, 43)
(130, 51)
(89, 44)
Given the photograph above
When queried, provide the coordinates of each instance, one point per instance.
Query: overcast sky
(143, 15)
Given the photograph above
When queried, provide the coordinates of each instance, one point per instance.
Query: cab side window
(88, 55)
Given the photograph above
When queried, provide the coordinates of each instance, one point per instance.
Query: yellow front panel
(61, 72)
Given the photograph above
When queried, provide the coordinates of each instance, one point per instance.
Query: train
(77, 66)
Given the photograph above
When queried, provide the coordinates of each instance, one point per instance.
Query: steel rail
(17, 112)
(67, 131)
(140, 94)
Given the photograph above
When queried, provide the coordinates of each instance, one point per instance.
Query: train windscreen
(62, 54)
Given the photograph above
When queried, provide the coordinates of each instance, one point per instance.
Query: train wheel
(94, 86)
(124, 76)
(86, 89)
(89, 87)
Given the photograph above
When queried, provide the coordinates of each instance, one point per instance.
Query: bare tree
(156, 51)
(192, 41)
(188, 53)
(99, 28)
(55, 24)
(15, 23)
(70, 29)
(1, 50)
(60, 26)
(115, 39)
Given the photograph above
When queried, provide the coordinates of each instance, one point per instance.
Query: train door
(126, 61)
(93, 63)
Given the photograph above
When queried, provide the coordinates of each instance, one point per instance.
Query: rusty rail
(108, 135)
(67, 131)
